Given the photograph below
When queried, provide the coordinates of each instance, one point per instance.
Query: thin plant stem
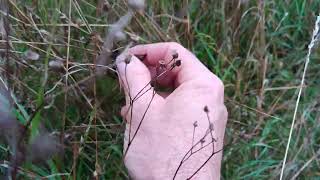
(67, 75)
(314, 39)
(193, 133)
(204, 164)
(187, 155)
(131, 102)
(140, 123)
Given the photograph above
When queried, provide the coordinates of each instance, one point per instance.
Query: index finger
(191, 68)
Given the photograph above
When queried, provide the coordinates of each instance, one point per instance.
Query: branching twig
(204, 164)
(140, 123)
(116, 33)
(190, 152)
(175, 63)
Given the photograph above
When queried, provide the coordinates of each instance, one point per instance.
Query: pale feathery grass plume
(116, 34)
(313, 42)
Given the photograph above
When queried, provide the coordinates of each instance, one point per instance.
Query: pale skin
(166, 133)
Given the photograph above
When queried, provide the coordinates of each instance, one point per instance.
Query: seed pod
(178, 63)
(153, 83)
(206, 109)
(127, 60)
(195, 124)
(175, 54)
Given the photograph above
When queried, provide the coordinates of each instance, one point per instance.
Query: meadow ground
(257, 48)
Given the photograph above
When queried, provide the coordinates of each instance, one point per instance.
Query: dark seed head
(202, 140)
(152, 83)
(195, 124)
(178, 62)
(175, 55)
(128, 59)
(206, 109)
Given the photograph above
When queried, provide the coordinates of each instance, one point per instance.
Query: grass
(260, 63)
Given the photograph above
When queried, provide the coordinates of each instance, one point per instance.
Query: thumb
(134, 76)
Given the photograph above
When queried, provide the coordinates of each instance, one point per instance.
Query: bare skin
(166, 133)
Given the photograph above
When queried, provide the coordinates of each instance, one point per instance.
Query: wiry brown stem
(187, 155)
(140, 94)
(4, 33)
(97, 166)
(190, 152)
(130, 99)
(204, 164)
(140, 123)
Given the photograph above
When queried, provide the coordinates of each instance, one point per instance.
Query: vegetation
(256, 47)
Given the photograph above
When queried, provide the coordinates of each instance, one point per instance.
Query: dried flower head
(175, 54)
(119, 36)
(195, 124)
(136, 5)
(206, 109)
(114, 34)
(178, 63)
(127, 60)
(153, 83)
(31, 55)
(56, 65)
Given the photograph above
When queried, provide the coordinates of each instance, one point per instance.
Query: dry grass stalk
(313, 42)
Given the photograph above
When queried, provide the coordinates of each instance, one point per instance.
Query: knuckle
(136, 70)
(219, 84)
(172, 44)
(224, 112)
(216, 83)
(175, 45)
(210, 82)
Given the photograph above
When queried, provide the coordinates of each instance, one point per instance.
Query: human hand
(171, 126)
